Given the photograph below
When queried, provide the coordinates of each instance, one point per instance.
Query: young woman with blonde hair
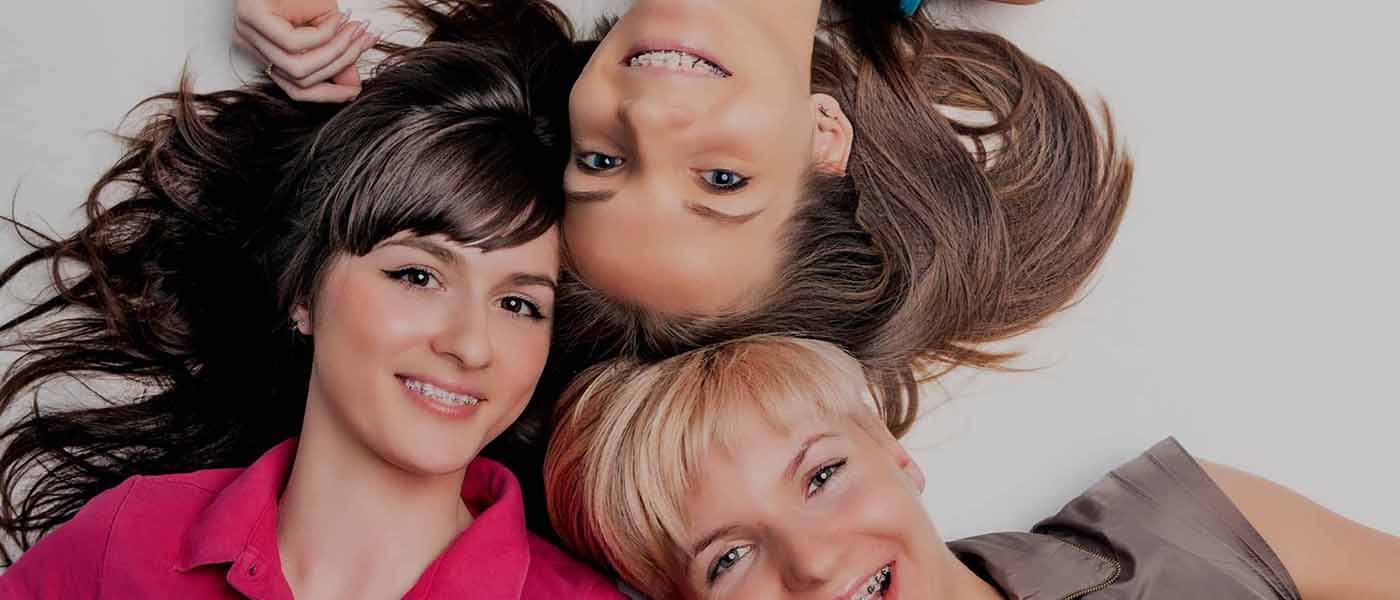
(757, 468)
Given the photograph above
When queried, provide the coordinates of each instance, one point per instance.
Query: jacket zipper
(1117, 570)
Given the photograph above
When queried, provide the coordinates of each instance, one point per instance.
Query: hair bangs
(480, 181)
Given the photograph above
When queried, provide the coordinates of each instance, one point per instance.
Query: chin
(422, 457)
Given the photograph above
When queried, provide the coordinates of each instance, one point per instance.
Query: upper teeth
(676, 60)
(875, 586)
(437, 393)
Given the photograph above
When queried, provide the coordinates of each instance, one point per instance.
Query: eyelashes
(823, 476)
(415, 277)
(597, 162)
(422, 279)
(721, 181)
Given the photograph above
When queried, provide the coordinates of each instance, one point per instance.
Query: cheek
(884, 507)
(372, 320)
(522, 348)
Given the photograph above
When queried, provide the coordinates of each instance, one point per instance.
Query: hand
(310, 45)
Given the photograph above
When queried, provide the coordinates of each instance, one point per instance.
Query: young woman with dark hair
(354, 301)
(854, 172)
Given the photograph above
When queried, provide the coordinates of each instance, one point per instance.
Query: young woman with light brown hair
(845, 172)
(758, 468)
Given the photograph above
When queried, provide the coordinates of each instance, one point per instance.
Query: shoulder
(1328, 555)
(556, 574)
(143, 516)
(1163, 513)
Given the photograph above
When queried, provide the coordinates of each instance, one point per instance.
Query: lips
(674, 57)
(439, 398)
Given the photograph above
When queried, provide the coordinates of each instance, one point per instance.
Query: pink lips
(438, 408)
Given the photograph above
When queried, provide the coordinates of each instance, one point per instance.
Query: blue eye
(522, 307)
(413, 277)
(823, 476)
(727, 561)
(724, 180)
(597, 161)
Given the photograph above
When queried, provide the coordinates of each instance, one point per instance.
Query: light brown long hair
(943, 235)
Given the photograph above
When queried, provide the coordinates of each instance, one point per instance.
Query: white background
(1249, 306)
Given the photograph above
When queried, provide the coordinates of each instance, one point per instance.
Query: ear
(903, 459)
(301, 319)
(832, 135)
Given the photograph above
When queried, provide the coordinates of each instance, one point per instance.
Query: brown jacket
(1155, 528)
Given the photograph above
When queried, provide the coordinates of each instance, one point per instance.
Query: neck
(964, 584)
(344, 507)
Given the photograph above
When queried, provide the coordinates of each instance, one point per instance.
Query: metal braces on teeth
(882, 579)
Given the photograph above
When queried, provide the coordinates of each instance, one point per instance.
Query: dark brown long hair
(229, 206)
(927, 249)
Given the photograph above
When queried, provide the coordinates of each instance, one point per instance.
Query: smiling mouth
(875, 587)
(679, 61)
(438, 394)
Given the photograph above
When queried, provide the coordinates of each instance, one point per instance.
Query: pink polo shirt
(213, 534)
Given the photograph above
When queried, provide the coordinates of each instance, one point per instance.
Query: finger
(290, 38)
(242, 45)
(302, 66)
(349, 76)
(325, 92)
(347, 59)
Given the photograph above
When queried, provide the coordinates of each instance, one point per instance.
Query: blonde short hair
(630, 437)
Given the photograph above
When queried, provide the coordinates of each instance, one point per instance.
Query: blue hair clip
(909, 7)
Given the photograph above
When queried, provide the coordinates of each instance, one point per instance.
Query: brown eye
(522, 307)
(413, 277)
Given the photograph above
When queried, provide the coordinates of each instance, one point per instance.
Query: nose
(648, 117)
(467, 339)
(813, 562)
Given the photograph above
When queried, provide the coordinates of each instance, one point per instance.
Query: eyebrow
(706, 212)
(710, 539)
(802, 453)
(438, 251)
(695, 208)
(789, 473)
(529, 279)
(580, 196)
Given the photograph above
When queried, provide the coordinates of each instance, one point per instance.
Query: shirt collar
(227, 526)
(490, 559)
(1033, 565)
